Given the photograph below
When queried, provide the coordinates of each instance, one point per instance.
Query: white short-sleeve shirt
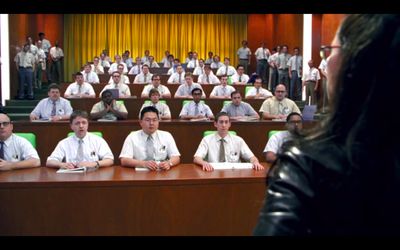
(95, 148)
(235, 148)
(274, 143)
(86, 88)
(17, 148)
(135, 145)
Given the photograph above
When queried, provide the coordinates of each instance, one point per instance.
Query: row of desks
(187, 134)
(122, 201)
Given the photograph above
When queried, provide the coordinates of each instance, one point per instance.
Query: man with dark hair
(196, 109)
(25, 63)
(82, 149)
(163, 109)
(238, 110)
(79, 88)
(15, 152)
(108, 108)
(149, 147)
(53, 108)
(294, 124)
(156, 84)
(223, 146)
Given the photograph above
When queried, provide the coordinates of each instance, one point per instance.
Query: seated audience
(163, 109)
(108, 108)
(196, 109)
(79, 88)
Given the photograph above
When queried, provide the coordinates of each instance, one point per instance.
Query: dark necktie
(2, 150)
(240, 78)
(53, 110)
(226, 70)
(221, 151)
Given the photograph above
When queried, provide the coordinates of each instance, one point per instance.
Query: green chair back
(247, 89)
(187, 101)
(226, 103)
(209, 132)
(31, 137)
(98, 133)
(120, 102)
(272, 132)
(160, 101)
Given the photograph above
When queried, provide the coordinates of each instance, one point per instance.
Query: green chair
(272, 132)
(226, 103)
(31, 137)
(120, 102)
(94, 132)
(160, 101)
(209, 132)
(187, 101)
(247, 89)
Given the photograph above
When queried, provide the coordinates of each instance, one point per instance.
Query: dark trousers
(25, 77)
(310, 93)
(245, 64)
(56, 72)
(284, 77)
(263, 70)
(274, 79)
(295, 87)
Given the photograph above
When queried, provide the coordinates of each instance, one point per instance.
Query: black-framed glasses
(326, 50)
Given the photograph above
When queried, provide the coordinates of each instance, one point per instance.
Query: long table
(187, 135)
(122, 201)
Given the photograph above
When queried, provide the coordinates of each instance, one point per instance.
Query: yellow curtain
(86, 35)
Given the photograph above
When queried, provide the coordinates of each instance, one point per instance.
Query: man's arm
(131, 162)
(204, 164)
(28, 163)
(270, 156)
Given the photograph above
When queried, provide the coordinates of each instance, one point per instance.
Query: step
(32, 103)
(18, 109)
(19, 117)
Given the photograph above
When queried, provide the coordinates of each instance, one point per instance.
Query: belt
(262, 59)
(310, 81)
(243, 59)
(283, 69)
(24, 67)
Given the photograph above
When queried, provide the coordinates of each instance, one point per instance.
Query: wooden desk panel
(136, 89)
(175, 105)
(121, 201)
(187, 135)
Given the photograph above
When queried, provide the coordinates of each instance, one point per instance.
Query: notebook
(309, 112)
(115, 93)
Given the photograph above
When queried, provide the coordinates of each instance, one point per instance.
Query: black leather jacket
(316, 191)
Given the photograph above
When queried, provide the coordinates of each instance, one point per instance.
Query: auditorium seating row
(136, 89)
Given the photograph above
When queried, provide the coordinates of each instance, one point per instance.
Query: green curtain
(86, 35)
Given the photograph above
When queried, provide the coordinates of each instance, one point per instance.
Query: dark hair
(363, 95)
(217, 116)
(79, 73)
(154, 75)
(197, 89)
(154, 91)
(292, 114)
(41, 34)
(235, 92)
(148, 109)
(78, 113)
(107, 91)
(53, 86)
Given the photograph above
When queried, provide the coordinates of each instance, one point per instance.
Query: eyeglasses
(4, 124)
(295, 122)
(326, 50)
(280, 91)
(196, 93)
(116, 76)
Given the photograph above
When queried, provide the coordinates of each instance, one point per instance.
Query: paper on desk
(72, 170)
(230, 165)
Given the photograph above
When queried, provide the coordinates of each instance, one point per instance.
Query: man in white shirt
(244, 55)
(165, 60)
(115, 65)
(124, 91)
(257, 92)
(311, 78)
(124, 79)
(295, 64)
(199, 70)
(170, 62)
(240, 77)
(216, 64)
(273, 66)
(226, 69)
(163, 90)
(262, 54)
(108, 108)
(145, 59)
(208, 77)
(196, 109)
(210, 58)
(79, 88)
(90, 76)
(152, 63)
(46, 45)
(15, 152)
(322, 66)
(194, 62)
(144, 77)
(223, 147)
(54, 108)
(294, 124)
(96, 66)
(41, 65)
(185, 90)
(278, 107)
(82, 149)
(163, 109)
(174, 67)
(137, 69)
(178, 77)
(222, 91)
(103, 60)
(149, 147)
(283, 68)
